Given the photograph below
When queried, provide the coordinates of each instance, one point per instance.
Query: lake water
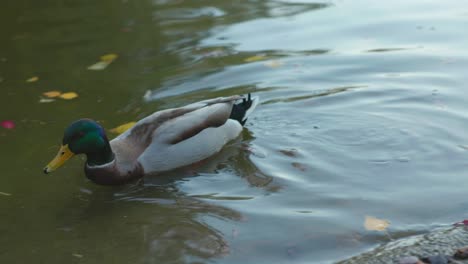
(364, 113)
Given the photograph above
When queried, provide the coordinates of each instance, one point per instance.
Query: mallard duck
(163, 141)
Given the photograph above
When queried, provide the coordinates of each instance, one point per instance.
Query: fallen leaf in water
(8, 124)
(122, 128)
(376, 224)
(68, 96)
(4, 193)
(105, 61)
(109, 57)
(52, 94)
(147, 96)
(32, 79)
(77, 255)
(46, 100)
(255, 58)
(273, 63)
(99, 66)
(299, 166)
(290, 152)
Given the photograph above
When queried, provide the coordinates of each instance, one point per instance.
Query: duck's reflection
(152, 221)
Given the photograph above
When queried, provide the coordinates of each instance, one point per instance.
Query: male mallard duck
(163, 141)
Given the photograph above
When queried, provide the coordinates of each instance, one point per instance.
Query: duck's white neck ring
(100, 166)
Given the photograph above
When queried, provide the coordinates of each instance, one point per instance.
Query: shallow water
(363, 113)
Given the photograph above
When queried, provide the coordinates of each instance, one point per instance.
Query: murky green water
(364, 112)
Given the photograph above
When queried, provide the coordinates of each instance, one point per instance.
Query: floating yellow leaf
(255, 58)
(376, 224)
(52, 94)
(109, 57)
(105, 61)
(98, 66)
(69, 95)
(273, 63)
(46, 100)
(122, 128)
(32, 79)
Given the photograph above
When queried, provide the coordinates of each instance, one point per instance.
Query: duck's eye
(62, 153)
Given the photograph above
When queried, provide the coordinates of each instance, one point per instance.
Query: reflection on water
(144, 223)
(162, 221)
(331, 91)
(363, 112)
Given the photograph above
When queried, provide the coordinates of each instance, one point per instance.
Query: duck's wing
(214, 101)
(205, 114)
(168, 125)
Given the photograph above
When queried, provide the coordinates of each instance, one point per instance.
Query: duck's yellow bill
(63, 155)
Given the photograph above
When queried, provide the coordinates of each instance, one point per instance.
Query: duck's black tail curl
(242, 110)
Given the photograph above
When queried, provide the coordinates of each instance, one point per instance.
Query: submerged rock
(410, 260)
(437, 246)
(438, 259)
(462, 253)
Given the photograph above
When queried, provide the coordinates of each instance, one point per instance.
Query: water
(363, 113)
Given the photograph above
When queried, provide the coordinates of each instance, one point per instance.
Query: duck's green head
(84, 136)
